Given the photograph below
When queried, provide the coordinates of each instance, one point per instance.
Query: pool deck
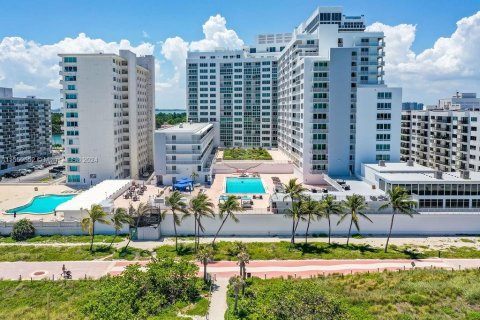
(22, 194)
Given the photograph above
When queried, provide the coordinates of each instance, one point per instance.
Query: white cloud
(175, 49)
(145, 34)
(451, 65)
(32, 68)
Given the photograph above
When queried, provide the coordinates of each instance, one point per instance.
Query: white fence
(280, 225)
(260, 166)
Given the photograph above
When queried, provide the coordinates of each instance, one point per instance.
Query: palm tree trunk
(205, 270)
(93, 236)
(329, 229)
(308, 227)
(390, 232)
(218, 231)
(236, 302)
(176, 237)
(195, 233)
(292, 241)
(111, 243)
(349, 230)
(241, 271)
(130, 237)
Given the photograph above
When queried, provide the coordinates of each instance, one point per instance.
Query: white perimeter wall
(63, 228)
(278, 224)
(230, 166)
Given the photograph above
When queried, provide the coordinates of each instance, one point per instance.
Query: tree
(226, 210)
(95, 214)
(243, 258)
(400, 202)
(194, 175)
(311, 210)
(119, 218)
(176, 204)
(204, 255)
(141, 211)
(23, 230)
(200, 206)
(354, 204)
(331, 207)
(236, 282)
(293, 190)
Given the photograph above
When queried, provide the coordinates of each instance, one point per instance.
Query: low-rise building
(184, 150)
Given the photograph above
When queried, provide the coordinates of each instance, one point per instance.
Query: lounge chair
(254, 197)
(260, 197)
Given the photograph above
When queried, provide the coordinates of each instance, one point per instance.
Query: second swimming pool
(42, 204)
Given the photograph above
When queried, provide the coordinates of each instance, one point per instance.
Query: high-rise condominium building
(25, 129)
(109, 119)
(448, 140)
(319, 90)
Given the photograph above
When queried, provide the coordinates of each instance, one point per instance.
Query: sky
(432, 46)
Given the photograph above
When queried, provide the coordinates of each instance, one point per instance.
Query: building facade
(183, 150)
(463, 101)
(317, 94)
(447, 140)
(25, 129)
(109, 115)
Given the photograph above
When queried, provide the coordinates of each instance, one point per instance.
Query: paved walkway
(218, 302)
(226, 269)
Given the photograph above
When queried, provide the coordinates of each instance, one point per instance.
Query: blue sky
(48, 22)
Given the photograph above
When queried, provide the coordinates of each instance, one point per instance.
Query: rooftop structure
(463, 101)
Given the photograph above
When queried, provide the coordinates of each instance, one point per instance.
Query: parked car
(23, 172)
(53, 170)
(39, 167)
(59, 168)
(12, 174)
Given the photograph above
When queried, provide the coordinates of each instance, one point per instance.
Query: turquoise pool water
(42, 204)
(244, 185)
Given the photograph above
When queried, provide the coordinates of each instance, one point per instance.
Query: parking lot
(34, 173)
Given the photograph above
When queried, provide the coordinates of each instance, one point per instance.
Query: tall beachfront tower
(334, 110)
(109, 115)
(317, 94)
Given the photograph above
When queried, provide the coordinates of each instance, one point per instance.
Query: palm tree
(194, 175)
(200, 206)
(95, 214)
(400, 202)
(296, 213)
(142, 210)
(119, 218)
(354, 204)
(293, 190)
(331, 207)
(313, 210)
(176, 204)
(237, 283)
(243, 258)
(227, 209)
(204, 255)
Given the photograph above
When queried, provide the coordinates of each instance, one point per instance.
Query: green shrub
(23, 230)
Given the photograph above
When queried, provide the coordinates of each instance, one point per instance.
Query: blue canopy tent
(184, 184)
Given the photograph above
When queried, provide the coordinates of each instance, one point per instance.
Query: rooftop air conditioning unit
(438, 174)
(410, 163)
(465, 174)
(381, 163)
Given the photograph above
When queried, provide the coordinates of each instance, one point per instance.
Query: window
(384, 106)
(384, 116)
(383, 147)
(71, 87)
(73, 178)
(70, 59)
(384, 95)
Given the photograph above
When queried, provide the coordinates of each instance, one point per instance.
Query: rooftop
(194, 128)
(399, 167)
(104, 191)
(447, 177)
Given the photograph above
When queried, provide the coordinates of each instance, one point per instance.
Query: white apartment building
(317, 93)
(182, 150)
(109, 104)
(25, 129)
(334, 110)
(237, 91)
(448, 140)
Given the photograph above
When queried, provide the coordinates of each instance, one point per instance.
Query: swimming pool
(42, 204)
(244, 185)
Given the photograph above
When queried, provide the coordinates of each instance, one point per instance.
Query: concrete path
(226, 269)
(218, 302)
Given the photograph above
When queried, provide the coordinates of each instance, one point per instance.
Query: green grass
(69, 253)
(27, 300)
(246, 154)
(66, 239)
(407, 295)
(318, 250)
